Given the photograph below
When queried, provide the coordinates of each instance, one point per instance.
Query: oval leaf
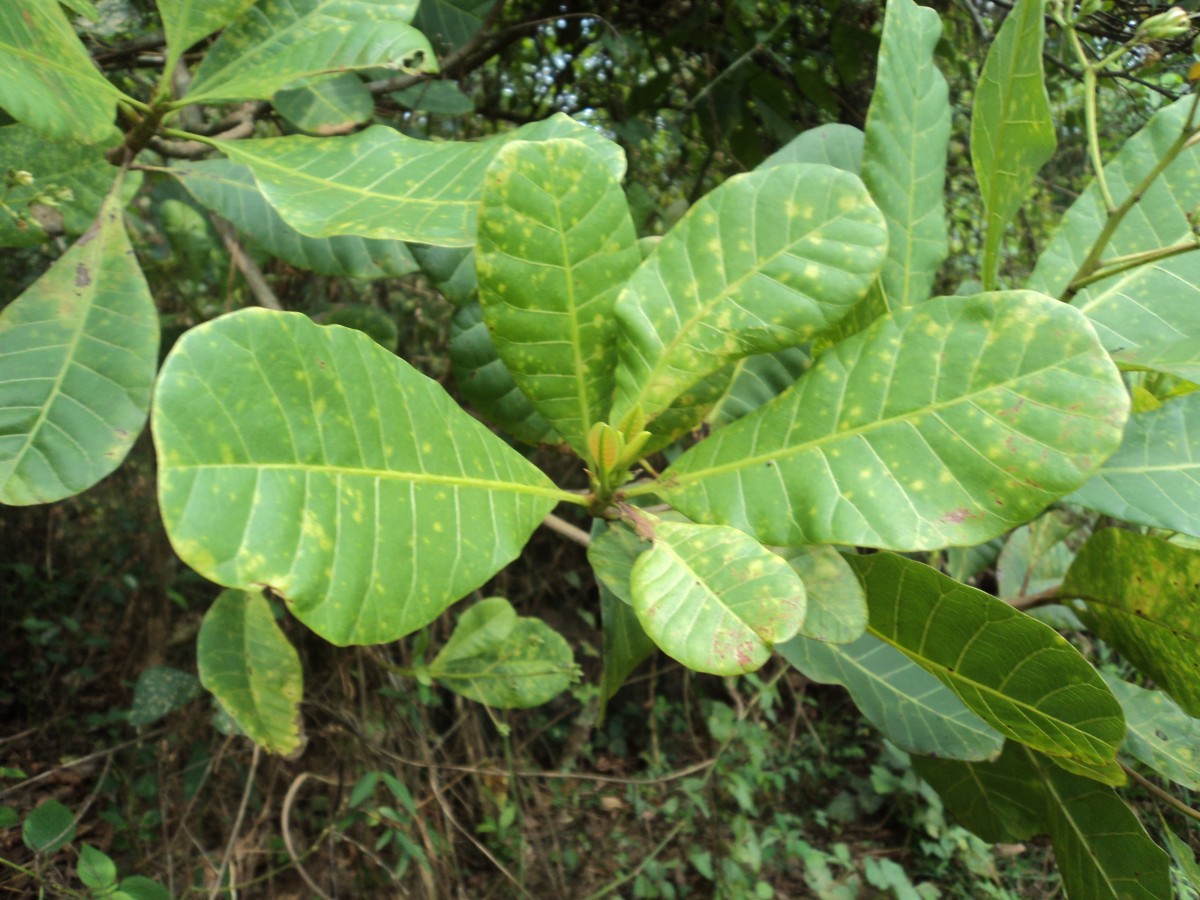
(1161, 735)
(626, 645)
(379, 183)
(904, 151)
(77, 352)
(914, 710)
(47, 827)
(504, 660)
(836, 608)
(327, 104)
(281, 41)
(310, 460)
(947, 423)
(187, 21)
(555, 245)
(1140, 594)
(247, 663)
(1018, 675)
(764, 262)
(715, 599)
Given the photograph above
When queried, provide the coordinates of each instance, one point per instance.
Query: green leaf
(48, 827)
(626, 644)
(1178, 358)
(713, 598)
(1102, 849)
(914, 710)
(77, 352)
(840, 146)
(1018, 675)
(247, 663)
(47, 78)
(1160, 734)
(282, 41)
(326, 104)
(486, 382)
(1151, 305)
(756, 380)
(187, 21)
(452, 271)
(139, 887)
(85, 8)
(556, 244)
(1154, 477)
(229, 189)
(1140, 597)
(441, 98)
(613, 551)
(503, 660)
(96, 868)
(452, 22)
(76, 172)
(764, 262)
(904, 152)
(161, 690)
(312, 461)
(1001, 800)
(372, 321)
(1012, 133)
(947, 423)
(379, 183)
(836, 610)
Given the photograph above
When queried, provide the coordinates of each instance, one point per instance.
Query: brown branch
(255, 279)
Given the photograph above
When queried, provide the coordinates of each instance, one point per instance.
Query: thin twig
(288, 799)
(1158, 792)
(237, 824)
(255, 279)
(29, 782)
(566, 529)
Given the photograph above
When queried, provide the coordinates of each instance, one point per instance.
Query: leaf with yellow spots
(1160, 734)
(944, 424)
(78, 352)
(379, 183)
(247, 663)
(556, 244)
(764, 262)
(281, 41)
(713, 598)
(357, 489)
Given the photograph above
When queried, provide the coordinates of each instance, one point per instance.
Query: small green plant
(767, 387)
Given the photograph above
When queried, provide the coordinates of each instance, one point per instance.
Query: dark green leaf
(161, 690)
(626, 644)
(326, 104)
(49, 826)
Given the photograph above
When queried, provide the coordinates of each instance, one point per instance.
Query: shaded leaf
(72, 171)
(47, 79)
(452, 271)
(229, 189)
(764, 262)
(362, 507)
(1140, 596)
(713, 598)
(904, 151)
(614, 549)
(379, 183)
(1154, 477)
(1008, 402)
(1179, 358)
(1151, 305)
(282, 41)
(1035, 556)
(48, 827)
(326, 104)
(443, 98)
(1012, 133)
(378, 325)
(756, 380)
(1017, 674)
(556, 244)
(247, 663)
(452, 22)
(1160, 734)
(626, 644)
(78, 351)
(914, 710)
(161, 690)
(836, 608)
(486, 382)
(504, 660)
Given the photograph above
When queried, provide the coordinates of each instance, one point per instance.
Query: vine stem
(237, 823)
